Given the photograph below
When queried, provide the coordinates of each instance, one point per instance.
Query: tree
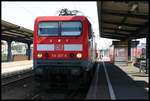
(17, 47)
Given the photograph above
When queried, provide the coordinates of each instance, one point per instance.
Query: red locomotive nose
(62, 49)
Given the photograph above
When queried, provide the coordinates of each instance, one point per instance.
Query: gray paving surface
(126, 81)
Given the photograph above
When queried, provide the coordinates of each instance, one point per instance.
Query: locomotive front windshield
(48, 28)
(68, 28)
(71, 28)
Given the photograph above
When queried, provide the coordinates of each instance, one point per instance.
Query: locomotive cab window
(72, 28)
(48, 29)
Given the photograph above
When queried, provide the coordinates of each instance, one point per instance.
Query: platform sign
(120, 42)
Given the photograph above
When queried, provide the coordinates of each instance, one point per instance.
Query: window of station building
(71, 28)
(48, 28)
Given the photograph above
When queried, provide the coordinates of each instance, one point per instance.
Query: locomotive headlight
(79, 55)
(39, 55)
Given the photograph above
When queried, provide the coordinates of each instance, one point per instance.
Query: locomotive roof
(61, 18)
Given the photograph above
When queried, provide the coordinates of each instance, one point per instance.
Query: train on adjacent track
(64, 47)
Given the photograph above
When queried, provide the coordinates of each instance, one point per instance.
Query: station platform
(118, 82)
(9, 67)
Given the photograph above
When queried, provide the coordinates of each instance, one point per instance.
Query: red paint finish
(59, 52)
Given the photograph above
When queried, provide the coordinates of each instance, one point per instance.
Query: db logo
(58, 47)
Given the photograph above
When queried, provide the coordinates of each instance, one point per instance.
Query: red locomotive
(63, 45)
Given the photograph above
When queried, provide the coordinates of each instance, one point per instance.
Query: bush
(3, 57)
(4, 54)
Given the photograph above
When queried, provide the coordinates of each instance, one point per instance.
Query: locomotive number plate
(58, 47)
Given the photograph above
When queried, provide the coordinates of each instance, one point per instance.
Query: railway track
(6, 80)
(62, 92)
(56, 94)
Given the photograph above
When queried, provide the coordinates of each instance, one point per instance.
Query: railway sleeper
(58, 81)
(64, 78)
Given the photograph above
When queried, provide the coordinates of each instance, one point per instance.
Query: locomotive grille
(59, 63)
(50, 70)
(59, 67)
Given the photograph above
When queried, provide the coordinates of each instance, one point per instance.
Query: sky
(25, 13)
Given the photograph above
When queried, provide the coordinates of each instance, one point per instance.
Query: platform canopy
(123, 20)
(16, 33)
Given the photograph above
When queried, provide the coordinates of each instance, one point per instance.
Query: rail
(16, 77)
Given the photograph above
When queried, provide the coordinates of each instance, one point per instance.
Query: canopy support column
(9, 55)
